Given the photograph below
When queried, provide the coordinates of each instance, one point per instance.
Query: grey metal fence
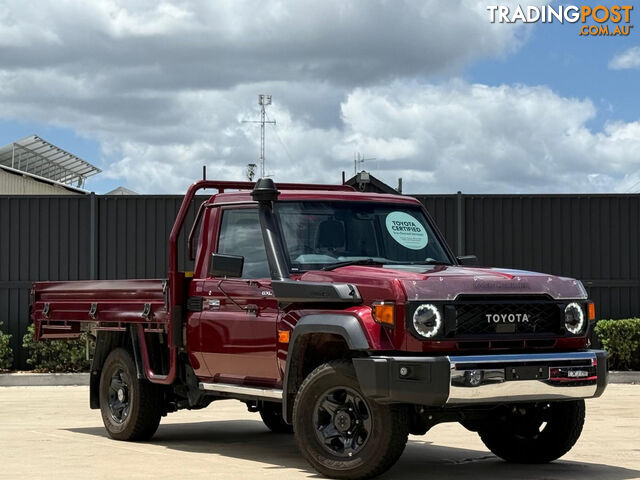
(591, 237)
(79, 238)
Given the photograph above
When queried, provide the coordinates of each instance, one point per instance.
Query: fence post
(93, 237)
(460, 225)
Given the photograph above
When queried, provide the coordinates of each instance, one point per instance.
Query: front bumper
(483, 379)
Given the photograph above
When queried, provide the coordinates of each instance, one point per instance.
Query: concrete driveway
(49, 432)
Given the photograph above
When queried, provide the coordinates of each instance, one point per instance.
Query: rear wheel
(537, 433)
(271, 414)
(131, 408)
(340, 432)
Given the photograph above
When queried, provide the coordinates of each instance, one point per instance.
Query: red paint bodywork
(234, 339)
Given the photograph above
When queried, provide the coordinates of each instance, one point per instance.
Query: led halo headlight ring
(427, 320)
(574, 318)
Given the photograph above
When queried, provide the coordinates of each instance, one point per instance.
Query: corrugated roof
(36, 156)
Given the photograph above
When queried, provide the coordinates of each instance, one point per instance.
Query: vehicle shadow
(249, 440)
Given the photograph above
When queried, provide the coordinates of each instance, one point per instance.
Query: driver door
(238, 320)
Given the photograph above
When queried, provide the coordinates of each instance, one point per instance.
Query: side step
(241, 390)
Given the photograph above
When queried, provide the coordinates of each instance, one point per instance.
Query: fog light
(473, 378)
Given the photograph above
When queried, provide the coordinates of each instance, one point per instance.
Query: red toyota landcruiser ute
(343, 317)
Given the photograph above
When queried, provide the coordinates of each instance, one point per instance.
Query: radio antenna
(263, 101)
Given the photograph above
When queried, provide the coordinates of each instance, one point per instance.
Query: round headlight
(573, 318)
(427, 320)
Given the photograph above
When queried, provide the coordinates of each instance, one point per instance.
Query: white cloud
(192, 44)
(492, 139)
(630, 58)
(163, 88)
(439, 138)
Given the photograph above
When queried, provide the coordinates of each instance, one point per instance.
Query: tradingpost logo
(598, 21)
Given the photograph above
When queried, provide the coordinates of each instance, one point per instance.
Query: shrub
(56, 355)
(6, 355)
(621, 338)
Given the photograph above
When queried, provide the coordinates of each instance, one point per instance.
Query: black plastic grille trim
(471, 319)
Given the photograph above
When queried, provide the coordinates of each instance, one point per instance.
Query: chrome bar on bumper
(515, 378)
(483, 379)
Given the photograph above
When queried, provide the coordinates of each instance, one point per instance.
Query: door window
(240, 234)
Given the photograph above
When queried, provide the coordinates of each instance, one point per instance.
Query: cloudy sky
(150, 91)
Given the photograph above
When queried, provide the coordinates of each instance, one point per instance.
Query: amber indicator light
(384, 313)
(283, 336)
(591, 311)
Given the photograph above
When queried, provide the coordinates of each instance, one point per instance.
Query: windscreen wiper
(346, 263)
(371, 261)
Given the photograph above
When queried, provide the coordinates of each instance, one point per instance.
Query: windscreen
(321, 234)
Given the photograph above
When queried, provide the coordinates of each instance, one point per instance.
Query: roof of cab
(244, 196)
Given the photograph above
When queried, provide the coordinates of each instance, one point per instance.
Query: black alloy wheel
(118, 396)
(343, 421)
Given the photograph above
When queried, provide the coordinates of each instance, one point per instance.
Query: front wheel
(131, 408)
(537, 433)
(341, 433)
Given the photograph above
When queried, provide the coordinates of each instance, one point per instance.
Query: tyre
(131, 408)
(341, 433)
(537, 433)
(271, 414)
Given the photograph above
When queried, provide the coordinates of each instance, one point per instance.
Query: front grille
(471, 318)
(466, 320)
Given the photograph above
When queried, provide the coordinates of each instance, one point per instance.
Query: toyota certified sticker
(407, 230)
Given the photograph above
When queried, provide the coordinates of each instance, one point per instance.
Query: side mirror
(467, 260)
(221, 265)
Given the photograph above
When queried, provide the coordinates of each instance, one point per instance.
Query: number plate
(526, 373)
